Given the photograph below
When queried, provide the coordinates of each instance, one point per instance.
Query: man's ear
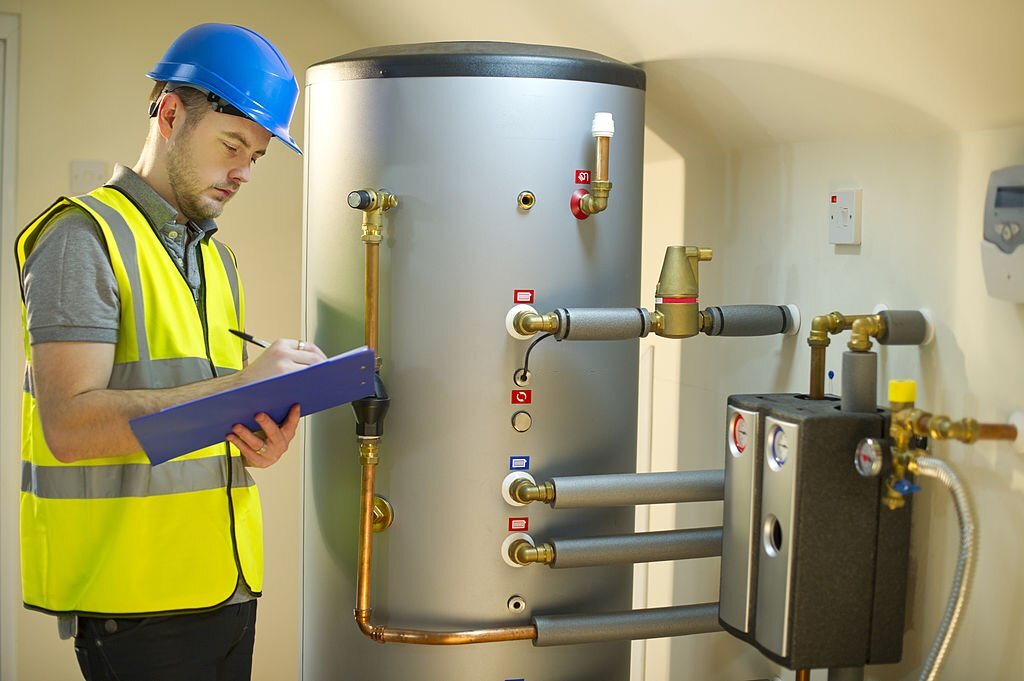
(170, 114)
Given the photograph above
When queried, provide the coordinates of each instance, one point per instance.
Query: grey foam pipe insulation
(679, 620)
(645, 547)
(632, 489)
(751, 320)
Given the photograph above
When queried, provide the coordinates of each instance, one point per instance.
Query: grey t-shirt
(70, 290)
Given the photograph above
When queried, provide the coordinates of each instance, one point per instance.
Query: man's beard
(186, 185)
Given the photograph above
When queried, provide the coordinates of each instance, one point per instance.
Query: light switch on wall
(844, 208)
(86, 176)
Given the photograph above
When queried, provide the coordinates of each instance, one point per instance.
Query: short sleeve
(70, 290)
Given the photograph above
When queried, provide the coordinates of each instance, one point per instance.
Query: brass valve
(676, 314)
(909, 422)
(374, 203)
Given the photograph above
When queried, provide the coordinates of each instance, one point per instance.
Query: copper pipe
(371, 286)
(968, 430)
(803, 675)
(602, 158)
(454, 638)
(365, 559)
(997, 431)
(364, 613)
(817, 387)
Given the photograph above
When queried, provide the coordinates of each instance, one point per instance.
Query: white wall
(758, 111)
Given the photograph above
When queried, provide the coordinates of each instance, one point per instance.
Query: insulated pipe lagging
(632, 489)
(860, 382)
(751, 320)
(904, 327)
(602, 323)
(933, 468)
(646, 547)
(680, 620)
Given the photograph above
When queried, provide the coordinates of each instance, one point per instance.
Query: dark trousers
(208, 646)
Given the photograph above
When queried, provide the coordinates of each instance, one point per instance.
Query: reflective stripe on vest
(116, 535)
(131, 479)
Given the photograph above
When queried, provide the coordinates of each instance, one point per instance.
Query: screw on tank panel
(526, 200)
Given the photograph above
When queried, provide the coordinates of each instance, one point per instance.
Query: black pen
(252, 339)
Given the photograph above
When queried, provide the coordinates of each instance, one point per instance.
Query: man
(128, 305)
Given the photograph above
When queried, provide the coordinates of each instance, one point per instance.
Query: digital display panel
(1010, 197)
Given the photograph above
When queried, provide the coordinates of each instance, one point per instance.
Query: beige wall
(758, 111)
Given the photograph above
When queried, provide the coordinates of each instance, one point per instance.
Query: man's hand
(264, 452)
(283, 355)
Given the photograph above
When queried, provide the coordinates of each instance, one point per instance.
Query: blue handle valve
(905, 487)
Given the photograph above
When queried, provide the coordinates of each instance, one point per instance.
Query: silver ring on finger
(302, 346)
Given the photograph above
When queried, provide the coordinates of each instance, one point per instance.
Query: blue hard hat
(241, 67)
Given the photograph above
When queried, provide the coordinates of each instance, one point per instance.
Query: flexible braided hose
(933, 468)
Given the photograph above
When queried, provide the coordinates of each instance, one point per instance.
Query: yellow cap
(902, 391)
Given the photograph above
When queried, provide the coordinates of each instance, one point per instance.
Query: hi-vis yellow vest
(116, 535)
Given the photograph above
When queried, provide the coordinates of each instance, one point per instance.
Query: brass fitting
(908, 422)
(383, 513)
(822, 327)
(523, 552)
(374, 203)
(524, 491)
(915, 422)
(676, 314)
(902, 395)
(597, 200)
(863, 330)
(825, 325)
(528, 323)
(369, 451)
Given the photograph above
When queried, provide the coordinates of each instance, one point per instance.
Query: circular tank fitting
(516, 603)
(383, 513)
(522, 421)
(526, 200)
(511, 317)
(522, 377)
(506, 486)
(575, 206)
(507, 544)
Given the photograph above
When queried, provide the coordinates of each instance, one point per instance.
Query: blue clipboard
(192, 425)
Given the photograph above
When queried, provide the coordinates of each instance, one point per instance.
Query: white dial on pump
(778, 448)
(868, 458)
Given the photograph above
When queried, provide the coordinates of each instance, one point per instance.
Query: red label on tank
(523, 295)
(518, 524)
(522, 396)
(582, 177)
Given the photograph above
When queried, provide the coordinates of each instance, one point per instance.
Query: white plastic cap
(603, 125)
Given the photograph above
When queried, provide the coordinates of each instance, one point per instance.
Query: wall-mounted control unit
(1002, 248)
